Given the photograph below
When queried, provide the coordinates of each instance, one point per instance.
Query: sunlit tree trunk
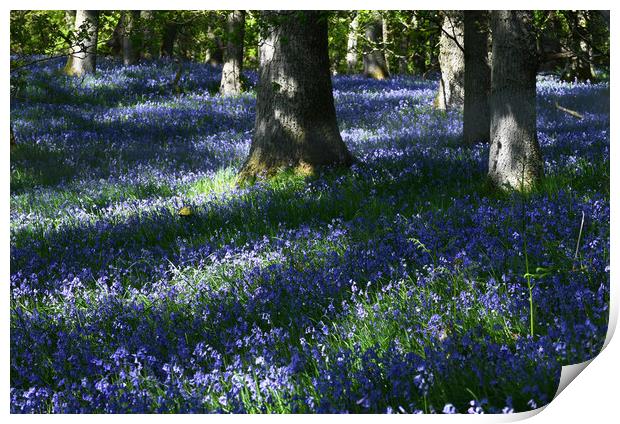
(83, 57)
(296, 123)
(451, 62)
(477, 77)
(233, 55)
(515, 160)
(374, 57)
(352, 45)
(131, 50)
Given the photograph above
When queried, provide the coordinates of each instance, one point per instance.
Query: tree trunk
(403, 63)
(352, 45)
(374, 57)
(515, 160)
(215, 51)
(296, 123)
(418, 45)
(477, 76)
(83, 58)
(170, 36)
(451, 62)
(579, 66)
(131, 50)
(115, 42)
(385, 37)
(70, 19)
(146, 22)
(233, 56)
(70, 24)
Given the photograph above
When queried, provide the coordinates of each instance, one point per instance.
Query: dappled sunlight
(389, 283)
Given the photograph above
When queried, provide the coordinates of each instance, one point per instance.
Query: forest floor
(403, 284)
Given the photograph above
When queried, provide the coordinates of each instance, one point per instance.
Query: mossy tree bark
(375, 65)
(515, 161)
(477, 77)
(451, 62)
(295, 123)
(233, 55)
(83, 57)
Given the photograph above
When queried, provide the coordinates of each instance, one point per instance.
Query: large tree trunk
(296, 123)
(83, 57)
(352, 45)
(476, 118)
(515, 160)
(170, 36)
(233, 56)
(374, 57)
(131, 49)
(452, 62)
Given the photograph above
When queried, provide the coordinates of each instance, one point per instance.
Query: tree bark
(418, 60)
(83, 57)
(579, 67)
(115, 42)
(146, 20)
(403, 62)
(170, 36)
(451, 62)
(295, 123)
(477, 78)
(70, 19)
(70, 23)
(131, 50)
(352, 45)
(515, 160)
(233, 55)
(215, 52)
(385, 41)
(374, 57)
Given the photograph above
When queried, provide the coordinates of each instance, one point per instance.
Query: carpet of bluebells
(400, 285)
